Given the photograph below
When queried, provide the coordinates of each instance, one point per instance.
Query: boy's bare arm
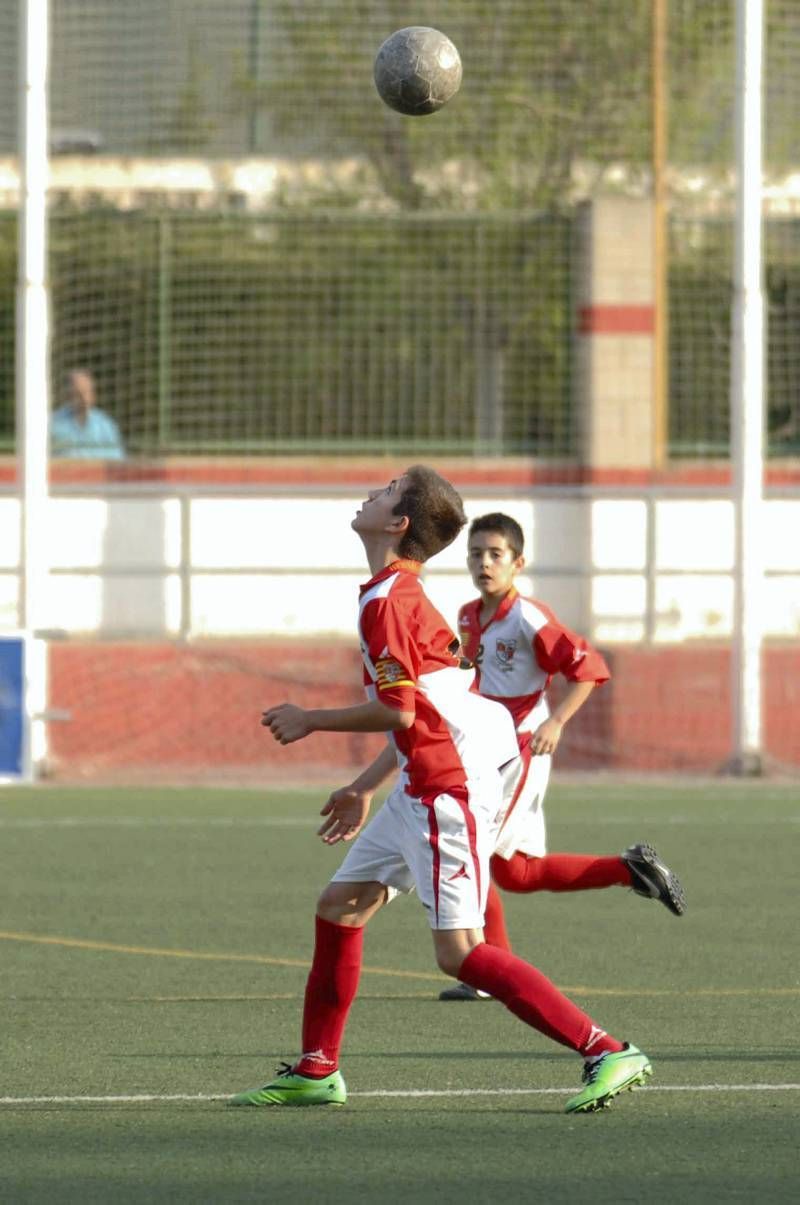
(376, 773)
(347, 809)
(548, 734)
(289, 723)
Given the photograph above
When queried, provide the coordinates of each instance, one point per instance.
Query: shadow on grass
(703, 1054)
(227, 1002)
(216, 1106)
(427, 1055)
(699, 1055)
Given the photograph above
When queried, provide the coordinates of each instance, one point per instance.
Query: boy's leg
(355, 893)
(611, 1066)
(494, 921)
(639, 868)
(523, 989)
(456, 919)
(559, 872)
(495, 933)
(523, 829)
(343, 911)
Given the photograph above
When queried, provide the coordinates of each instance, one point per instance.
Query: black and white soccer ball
(417, 70)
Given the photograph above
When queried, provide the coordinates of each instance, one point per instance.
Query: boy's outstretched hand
(287, 723)
(546, 737)
(345, 813)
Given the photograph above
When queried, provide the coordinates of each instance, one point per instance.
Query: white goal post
(747, 399)
(33, 368)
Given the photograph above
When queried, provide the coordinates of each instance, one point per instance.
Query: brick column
(614, 323)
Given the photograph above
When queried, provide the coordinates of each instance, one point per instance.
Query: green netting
(212, 333)
(9, 59)
(359, 281)
(700, 319)
(8, 273)
(232, 333)
(8, 256)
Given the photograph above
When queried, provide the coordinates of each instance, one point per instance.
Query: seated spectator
(80, 429)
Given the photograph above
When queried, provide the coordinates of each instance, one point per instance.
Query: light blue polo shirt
(97, 439)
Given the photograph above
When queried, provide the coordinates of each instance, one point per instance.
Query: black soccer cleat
(463, 991)
(652, 879)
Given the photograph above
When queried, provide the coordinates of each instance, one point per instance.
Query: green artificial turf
(155, 943)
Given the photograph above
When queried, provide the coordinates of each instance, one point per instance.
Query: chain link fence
(252, 254)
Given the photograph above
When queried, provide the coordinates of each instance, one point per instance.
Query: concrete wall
(180, 606)
(649, 565)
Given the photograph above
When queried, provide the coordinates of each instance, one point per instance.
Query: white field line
(398, 1093)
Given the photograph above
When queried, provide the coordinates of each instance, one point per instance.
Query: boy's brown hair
(434, 510)
(502, 525)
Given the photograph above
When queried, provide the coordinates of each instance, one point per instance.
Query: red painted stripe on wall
(607, 319)
(338, 473)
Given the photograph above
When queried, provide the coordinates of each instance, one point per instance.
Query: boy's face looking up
(493, 563)
(377, 513)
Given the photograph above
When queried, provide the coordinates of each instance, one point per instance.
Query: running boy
(435, 832)
(516, 645)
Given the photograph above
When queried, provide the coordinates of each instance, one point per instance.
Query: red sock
(331, 987)
(494, 923)
(531, 996)
(559, 872)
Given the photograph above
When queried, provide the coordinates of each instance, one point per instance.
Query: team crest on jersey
(504, 652)
(389, 673)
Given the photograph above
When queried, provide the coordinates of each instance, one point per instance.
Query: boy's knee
(335, 906)
(350, 903)
(449, 962)
(328, 907)
(518, 873)
(452, 946)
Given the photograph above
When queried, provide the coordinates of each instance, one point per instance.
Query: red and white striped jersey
(519, 650)
(412, 662)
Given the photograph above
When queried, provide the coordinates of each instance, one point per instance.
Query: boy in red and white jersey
(436, 830)
(517, 645)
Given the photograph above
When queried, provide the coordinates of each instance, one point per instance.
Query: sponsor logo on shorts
(461, 873)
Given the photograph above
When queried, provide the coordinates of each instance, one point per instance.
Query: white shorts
(440, 848)
(524, 785)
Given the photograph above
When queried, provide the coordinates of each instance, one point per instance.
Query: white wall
(197, 563)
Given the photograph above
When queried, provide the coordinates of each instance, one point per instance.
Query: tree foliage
(547, 86)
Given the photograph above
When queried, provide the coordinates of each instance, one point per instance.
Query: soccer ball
(417, 70)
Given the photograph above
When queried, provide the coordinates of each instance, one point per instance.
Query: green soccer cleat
(289, 1088)
(607, 1077)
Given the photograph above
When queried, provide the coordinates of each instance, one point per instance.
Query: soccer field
(155, 946)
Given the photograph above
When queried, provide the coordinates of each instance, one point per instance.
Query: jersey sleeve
(558, 650)
(392, 658)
